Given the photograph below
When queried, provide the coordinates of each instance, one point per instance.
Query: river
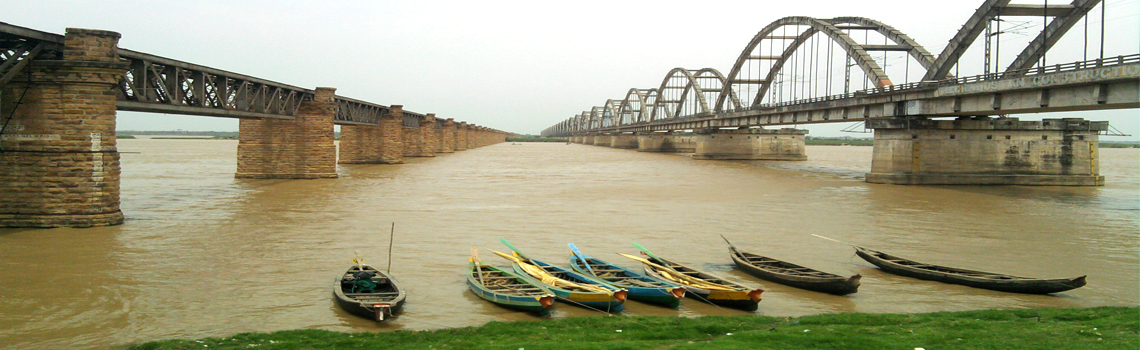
(205, 255)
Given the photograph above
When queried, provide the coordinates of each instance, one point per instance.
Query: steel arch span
(805, 28)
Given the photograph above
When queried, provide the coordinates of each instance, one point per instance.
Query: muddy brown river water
(203, 254)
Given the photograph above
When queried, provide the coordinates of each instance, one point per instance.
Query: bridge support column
(59, 165)
(360, 144)
(392, 136)
(422, 138)
(986, 151)
(624, 141)
(446, 135)
(750, 144)
(461, 136)
(655, 142)
(302, 148)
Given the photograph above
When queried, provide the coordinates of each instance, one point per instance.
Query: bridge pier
(445, 136)
(419, 141)
(59, 165)
(624, 141)
(361, 144)
(667, 142)
(750, 144)
(461, 136)
(986, 151)
(301, 148)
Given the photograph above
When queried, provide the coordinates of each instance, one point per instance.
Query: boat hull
(834, 284)
(376, 306)
(600, 301)
(537, 303)
(985, 280)
(663, 296)
(521, 303)
(742, 298)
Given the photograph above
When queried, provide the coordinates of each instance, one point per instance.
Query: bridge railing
(916, 86)
(162, 85)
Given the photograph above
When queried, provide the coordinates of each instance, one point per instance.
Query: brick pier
(59, 165)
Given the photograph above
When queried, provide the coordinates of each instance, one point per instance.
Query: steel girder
(962, 40)
(1061, 23)
(829, 27)
(158, 84)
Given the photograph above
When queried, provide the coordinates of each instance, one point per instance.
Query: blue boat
(569, 286)
(505, 288)
(641, 287)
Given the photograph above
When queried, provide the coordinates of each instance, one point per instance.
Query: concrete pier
(667, 142)
(986, 151)
(624, 141)
(750, 144)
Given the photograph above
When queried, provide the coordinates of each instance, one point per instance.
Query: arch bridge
(802, 70)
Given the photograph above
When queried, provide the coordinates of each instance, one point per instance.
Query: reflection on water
(203, 254)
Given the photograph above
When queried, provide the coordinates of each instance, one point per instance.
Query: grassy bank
(1092, 328)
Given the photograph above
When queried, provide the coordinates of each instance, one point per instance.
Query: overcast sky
(514, 66)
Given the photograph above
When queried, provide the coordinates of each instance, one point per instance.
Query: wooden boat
(569, 286)
(507, 289)
(700, 285)
(977, 279)
(369, 292)
(641, 287)
(786, 273)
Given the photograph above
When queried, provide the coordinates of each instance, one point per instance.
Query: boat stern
(382, 310)
(678, 292)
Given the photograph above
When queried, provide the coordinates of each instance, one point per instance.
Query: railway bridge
(59, 94)
(931, 125)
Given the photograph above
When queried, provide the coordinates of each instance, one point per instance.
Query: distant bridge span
(782, 78)
(59, 161)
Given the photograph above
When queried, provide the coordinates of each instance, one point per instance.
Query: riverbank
(1088, 328)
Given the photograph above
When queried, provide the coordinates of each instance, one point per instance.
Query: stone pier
(461, 136)
(624, 141)
(750, 144)
(302, 148)
(667, 142)
(59, 165)
(986, 151)
(361, 144)
(445, 134)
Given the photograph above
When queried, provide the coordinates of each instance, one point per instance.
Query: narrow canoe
(641, 287)
(977, 279)
(506, 289)
(569, 286)
(790, 274)
(369, 292)
(723, 292)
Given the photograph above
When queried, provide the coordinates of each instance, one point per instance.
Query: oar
(838, 241)
(729, 243)
(359, 261)
(514, 250)
(646, 251)
(574, 250)
(390, 237)
(478, 265)
(680, 276)
(547, 278)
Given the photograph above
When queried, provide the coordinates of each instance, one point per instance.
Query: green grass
(1092, 328)
(1119, 144)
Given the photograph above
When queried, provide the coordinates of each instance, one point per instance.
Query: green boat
(507, 289)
